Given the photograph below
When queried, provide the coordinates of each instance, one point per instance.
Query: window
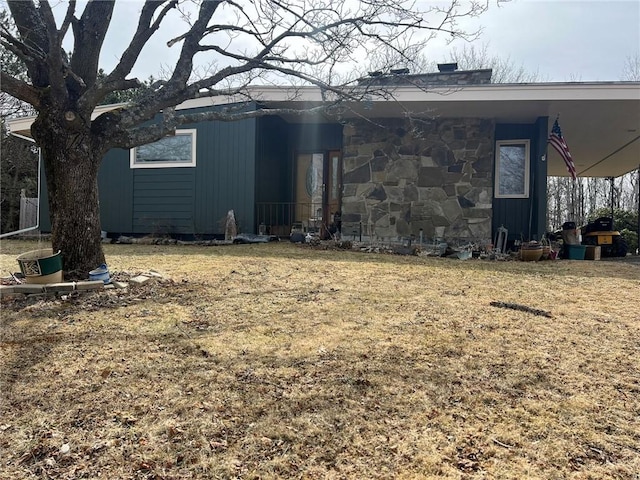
(512, 169)
(178, 150)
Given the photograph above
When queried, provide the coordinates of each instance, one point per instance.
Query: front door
(318, 188)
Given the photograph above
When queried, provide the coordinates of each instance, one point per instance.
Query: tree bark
(71, 164)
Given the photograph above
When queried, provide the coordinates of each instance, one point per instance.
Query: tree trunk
(71, 169)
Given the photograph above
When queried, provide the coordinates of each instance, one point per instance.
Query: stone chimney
(447, 67)
(447, 75)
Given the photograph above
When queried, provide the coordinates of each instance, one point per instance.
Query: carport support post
(638, 249)
(612, 200)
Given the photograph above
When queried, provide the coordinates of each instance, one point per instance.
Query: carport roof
(600, 120)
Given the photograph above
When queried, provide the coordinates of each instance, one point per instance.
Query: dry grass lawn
(281, 361)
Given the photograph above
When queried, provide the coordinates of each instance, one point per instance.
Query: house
(447, 155)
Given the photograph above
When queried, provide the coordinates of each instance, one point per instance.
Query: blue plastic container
(574, 252)
(100, 273)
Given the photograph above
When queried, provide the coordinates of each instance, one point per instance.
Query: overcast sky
(563, 40)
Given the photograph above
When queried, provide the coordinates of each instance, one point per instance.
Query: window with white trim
(512, 169)
(177, 150)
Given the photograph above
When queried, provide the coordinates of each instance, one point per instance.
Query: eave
(600, 120)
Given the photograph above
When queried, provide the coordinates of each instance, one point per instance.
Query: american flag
(557, 141)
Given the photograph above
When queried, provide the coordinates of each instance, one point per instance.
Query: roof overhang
(600, 121)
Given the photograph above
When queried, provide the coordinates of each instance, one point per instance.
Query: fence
(28, 211)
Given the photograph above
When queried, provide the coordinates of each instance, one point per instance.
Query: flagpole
(556, 140)
(613, 198)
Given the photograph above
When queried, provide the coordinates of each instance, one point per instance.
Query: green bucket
(41, 266)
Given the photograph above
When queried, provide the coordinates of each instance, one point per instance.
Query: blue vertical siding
(539, 170)
(186, 200)
(525, 218)
(273, 161)
(225, 175)
(316, 137)
(115, 186)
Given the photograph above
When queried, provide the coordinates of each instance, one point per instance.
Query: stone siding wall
(435, 175)
(456, 78)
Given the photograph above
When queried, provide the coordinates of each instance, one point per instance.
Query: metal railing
(278, 218)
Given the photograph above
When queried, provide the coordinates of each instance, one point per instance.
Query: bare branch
(175, 89)
(143, 33)
(504, 70)
(631, 69)
(89, 34)
(18, 48)
(147, 26)
(130, 138)
(269, 39)
(54, 60)
(191, 45)
(19, 89)
(33, 39)
(68, 19)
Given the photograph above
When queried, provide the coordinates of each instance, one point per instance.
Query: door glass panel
(315, 184)
(303, 194)
(309, 189)
(334, 178)
(318, 184)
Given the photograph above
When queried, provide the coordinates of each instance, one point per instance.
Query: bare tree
(631, 68)
(470, 57)
(266, 40)
(504, 69)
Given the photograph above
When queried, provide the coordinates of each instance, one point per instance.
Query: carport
(600, 121)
